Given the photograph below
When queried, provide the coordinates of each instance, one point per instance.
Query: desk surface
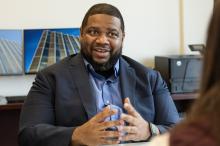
(184, 96)
(132, 144)
(11, 106)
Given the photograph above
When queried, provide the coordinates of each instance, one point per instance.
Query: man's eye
(93, 32)
(113, 34)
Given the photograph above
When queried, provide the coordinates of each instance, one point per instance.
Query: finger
(108, 124)
(107, 111)
(120, 127)
(109, 141)
(130, 129)
(129, 119)
(127, 100)
(129, 108)
(111, 134)
(129, 137)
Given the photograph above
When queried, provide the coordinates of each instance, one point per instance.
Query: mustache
(105, 48)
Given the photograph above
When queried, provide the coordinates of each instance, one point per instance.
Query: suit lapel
(81, 80)
(128, 81)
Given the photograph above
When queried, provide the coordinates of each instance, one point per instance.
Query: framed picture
(11, 53)
(44, 47)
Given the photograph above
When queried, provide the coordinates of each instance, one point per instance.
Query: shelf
(184, 96)
(11, 106)
(176, 97)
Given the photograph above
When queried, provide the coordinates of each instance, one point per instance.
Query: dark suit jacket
(61, 99)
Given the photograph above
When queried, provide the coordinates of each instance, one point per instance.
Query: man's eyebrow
(112, 29)
(97, 28)
(92, 27)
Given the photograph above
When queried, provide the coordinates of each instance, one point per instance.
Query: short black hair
(103, 8)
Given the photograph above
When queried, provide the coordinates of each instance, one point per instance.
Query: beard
(100, 67)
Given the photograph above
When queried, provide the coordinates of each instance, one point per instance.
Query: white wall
(196, 19)
(152, 26)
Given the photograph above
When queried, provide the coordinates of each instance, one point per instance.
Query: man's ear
(80, 37)
(81, 34)
(123, 36)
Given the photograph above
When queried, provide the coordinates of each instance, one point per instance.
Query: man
(97, 96)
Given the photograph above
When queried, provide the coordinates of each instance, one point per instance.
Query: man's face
(101, 41)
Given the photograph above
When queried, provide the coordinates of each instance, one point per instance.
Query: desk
(11, 106)
(9, 118)
(184, 96)
(183, 101)
(132, 144)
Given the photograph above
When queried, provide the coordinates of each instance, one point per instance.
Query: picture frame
(11, 52)
(44, 47)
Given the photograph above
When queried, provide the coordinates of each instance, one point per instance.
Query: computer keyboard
(15, 99)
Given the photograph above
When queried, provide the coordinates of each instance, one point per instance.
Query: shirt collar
(92, 71)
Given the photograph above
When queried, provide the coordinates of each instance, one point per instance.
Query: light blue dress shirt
(107, 91)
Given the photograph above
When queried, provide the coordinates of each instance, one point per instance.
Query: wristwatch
(153, 130)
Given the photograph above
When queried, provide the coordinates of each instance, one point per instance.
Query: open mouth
(101, 49)
(101, 52)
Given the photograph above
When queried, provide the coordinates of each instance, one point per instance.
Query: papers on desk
(3, 100)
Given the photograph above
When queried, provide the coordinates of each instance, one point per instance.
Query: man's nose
(102, 39)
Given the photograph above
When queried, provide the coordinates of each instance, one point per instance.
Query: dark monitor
(197, 47)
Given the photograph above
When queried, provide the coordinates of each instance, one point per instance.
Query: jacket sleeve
(37, 125)
(165, 109)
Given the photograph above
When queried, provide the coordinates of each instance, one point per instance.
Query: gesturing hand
(94, 131)
(138, 128)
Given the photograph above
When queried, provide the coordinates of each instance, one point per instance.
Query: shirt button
(107, 102)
